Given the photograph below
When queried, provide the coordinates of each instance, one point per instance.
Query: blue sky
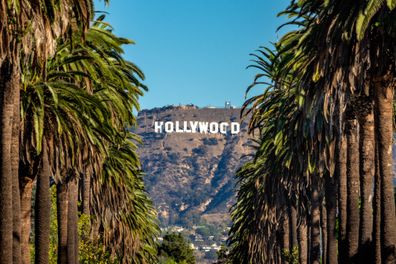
(194, 51)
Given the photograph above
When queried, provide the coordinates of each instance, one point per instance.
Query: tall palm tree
(325, 62)
(347, 45)
(364, 50)
(377, 240)
(8, 83)
(16, 204)
(72, 222)
(384, 119)
(59, 102)
(129, 232)
(277, 114)
(353, 187)
(315, 254)
(20, 44)
(367, 169)
(92, 76)
(42, 210)
(62, 206)
(331, 210)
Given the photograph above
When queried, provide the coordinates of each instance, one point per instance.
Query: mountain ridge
(191, 175)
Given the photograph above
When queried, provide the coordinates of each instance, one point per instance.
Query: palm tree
(72, 222)
(377, 255)
(315, 254)
(129, 232)
(324, 62)
(49, 21)
(346, 39)
(384, 119)
(62, 206)
(42, 210)
(366, 45)
(93, 77)
(303, 242)
(16, 203)
(293, 227)
(8, 82)
(276, 114)
(60, 103)
(118, 87)
(331, 210)
(245, 246)
(353, 187)
(367, 169)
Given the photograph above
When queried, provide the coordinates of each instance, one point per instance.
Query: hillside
(190, 176)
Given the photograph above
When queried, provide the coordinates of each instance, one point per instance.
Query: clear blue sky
(194, 51)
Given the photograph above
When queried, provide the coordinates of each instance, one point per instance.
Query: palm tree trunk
(309, 239)
(285, 236)
(331, 209)
(303, 242)
(278, 254)
(315, 226)
(377, 212)
(340, 171)
(384, 122)
(86, 191)
(16, 222)
(323, 221)
(9, 81)
(293, 228)
(62, 206)
(353, 187)
(26, 214)
(367, 168)
(72, 220)
(16, 202)
(42, 210)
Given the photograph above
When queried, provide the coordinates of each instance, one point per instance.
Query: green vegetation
(208, 230)
(175, 249)
(89, 252)
(291, 256)
(222, 255)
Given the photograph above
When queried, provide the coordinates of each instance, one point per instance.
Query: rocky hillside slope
(190, 176)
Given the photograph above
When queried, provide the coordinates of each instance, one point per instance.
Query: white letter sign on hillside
(197, 127)
(158, 127)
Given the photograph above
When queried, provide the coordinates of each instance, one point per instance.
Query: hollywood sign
(196, 127)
